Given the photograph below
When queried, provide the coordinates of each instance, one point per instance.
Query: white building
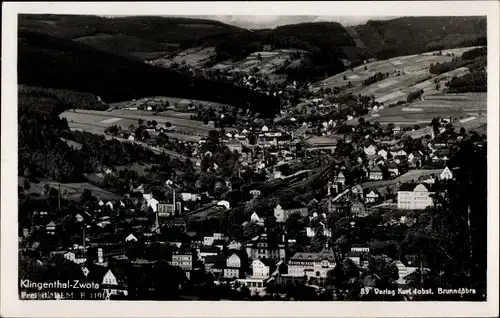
(233, 261)
(382, 153)
(360, 248)
(153, 204)
(256, 218)
(371, 150)
(131, 238)
(446, 174)
(413, 196)
(209, 240)
(261, 267)
(224, 203)
(312, 233)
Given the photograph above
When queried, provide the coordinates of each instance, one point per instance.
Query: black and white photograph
(235, 158)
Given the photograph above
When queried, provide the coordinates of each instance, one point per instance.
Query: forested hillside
(124, 35)
(42, 153)
(329, 44)
(52, 62)
(411, 35)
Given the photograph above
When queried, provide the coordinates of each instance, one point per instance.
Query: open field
(408, 64)
(172, 102)
(456, 106)
(98, 121)
(268, 63)
(196, 57)
(456, 52)
(71, 191)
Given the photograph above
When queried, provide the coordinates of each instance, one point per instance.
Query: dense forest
(412, 35)
(472, 59)
(474, 81)
(124, 35)
(48, 61)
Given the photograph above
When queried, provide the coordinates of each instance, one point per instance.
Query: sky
(272, 21)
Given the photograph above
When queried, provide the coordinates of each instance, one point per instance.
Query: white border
(12, 307)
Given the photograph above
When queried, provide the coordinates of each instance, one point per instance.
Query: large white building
(412, 196)
(311, 265)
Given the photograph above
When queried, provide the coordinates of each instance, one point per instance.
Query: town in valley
(308, 162)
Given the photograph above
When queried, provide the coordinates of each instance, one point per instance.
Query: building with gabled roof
(416, 196)
(284, 209)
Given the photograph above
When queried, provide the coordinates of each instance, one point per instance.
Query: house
(208, 251)
(255, 284)
(403, 272)
(283, 210)
(131, 238)
(264, 246)
(376, 173)
(209, 240)
(224, 203)
(361, 248)
(234, 265)
(372, 196)
(310, 265)
(340, 178)
(152, 203)
(255, 193)
(50, 227)
(383, 153)
(339, 207)
(393, 169)
(186, 196)
(370, 150)
(76, 256)
(231, 273)
(146, 195)
(234, 245)
(333, 188)
(357, 190)
(416, 196)
(312, 233)
(263, 267)
(184, 258)
(446, 174)
(167, 209)
(233, 261)
(256, 218)
(112, 281)
(358, 209)
(234, 145)
(355, 257)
